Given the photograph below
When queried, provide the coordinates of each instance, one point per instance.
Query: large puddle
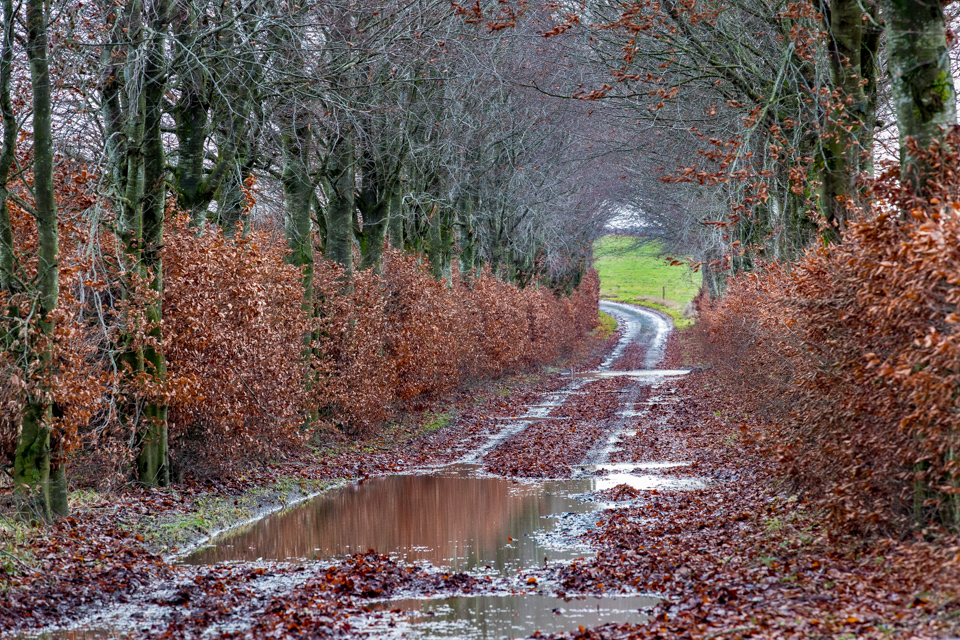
(456, 518)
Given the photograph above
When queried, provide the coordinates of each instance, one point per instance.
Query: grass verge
(608, 324)
(208, 515)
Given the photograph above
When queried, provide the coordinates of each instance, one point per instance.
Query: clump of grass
(15, 555)
(175, 531)
(436, 421)
(608, 324)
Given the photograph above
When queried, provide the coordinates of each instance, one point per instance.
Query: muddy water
(458, 519)
(482, 617)
(455, 519)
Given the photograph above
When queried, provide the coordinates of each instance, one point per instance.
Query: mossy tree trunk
(298, 192)
(923, 93)
(341, 171)
(840, 144)
(39, 473)
(9, 141)
(377, 186)
(396, 217)
(135, 66)
(153, 460)
(466, 235)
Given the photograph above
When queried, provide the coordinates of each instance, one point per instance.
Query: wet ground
(472, 543)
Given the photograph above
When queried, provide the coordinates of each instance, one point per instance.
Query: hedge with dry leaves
(854, 353)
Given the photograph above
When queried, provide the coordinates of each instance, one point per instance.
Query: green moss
(638, 274)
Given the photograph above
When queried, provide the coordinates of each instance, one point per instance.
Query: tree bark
(466, 236)
(298, 194)
(37, 467)
(396, 217)
(923, 93)
(191, 114)
(870, 49)
(340, 212)
(841, 143)
(376, 190)
(10, 130)
(153, 461)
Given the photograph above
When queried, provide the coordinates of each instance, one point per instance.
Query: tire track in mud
(550, 448)
(580, 430)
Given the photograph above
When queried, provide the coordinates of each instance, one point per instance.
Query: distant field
(635, 274)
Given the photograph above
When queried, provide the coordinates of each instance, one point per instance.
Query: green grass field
(629, 273)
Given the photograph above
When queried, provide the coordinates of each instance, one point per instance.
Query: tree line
(751, 129)
(342, 128)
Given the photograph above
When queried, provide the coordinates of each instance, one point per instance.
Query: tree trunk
(870, 49)
(191, 115)
(440, 244)
(36, 466)
(153, 461)
(340, 212)
(840, 145)
(10, 130)
(923, 94)
(374, 205)
(396, 217)
(298, 194)
(466, 240)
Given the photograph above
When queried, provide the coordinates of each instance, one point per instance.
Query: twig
(17, 560)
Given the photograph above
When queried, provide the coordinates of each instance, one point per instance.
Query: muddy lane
(470, 549)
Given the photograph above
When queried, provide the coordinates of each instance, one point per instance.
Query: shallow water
(456, 518)
(496, 617)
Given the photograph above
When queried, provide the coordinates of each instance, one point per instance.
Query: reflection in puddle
(496, 617)
(452, 519)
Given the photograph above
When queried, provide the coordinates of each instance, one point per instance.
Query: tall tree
(39, 472)
(850, 113)
(7, 151)
(923, 92)
(132, 96)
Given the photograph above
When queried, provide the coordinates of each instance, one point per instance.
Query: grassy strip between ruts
(634, 272)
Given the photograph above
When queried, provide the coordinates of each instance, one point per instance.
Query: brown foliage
(855, 352)
(233, 332)
(403, 336)
(243, 384)
(72, 378)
